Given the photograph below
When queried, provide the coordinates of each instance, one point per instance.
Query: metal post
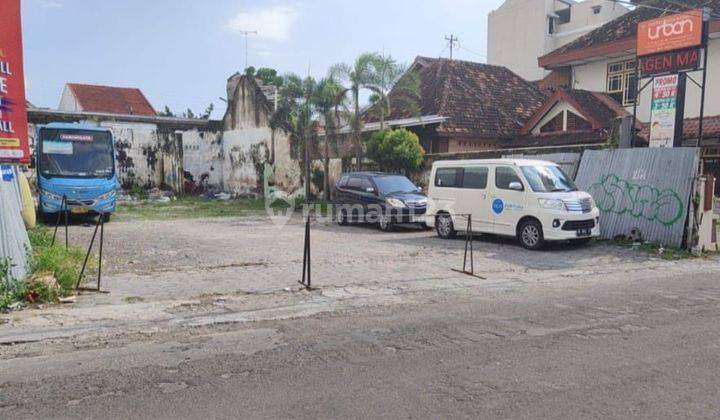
(63, 208)
(306, 279)
(102, 239)
(87, 256)
(702, 92)
(468, 245)
(635, 102)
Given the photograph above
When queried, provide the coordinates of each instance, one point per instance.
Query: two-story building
(604, 60)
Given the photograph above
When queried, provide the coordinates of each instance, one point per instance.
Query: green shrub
(64, 264)
(396, 150)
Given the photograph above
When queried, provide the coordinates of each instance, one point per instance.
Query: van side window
(504, 175)
(447, 177)
(475, 177)
(354, 183)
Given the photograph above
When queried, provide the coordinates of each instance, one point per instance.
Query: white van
(532, 200)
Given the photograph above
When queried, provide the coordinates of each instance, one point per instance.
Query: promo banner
(13, 108)
(663, 111)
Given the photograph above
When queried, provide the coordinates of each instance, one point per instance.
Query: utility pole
(246, 33)
(452, 40)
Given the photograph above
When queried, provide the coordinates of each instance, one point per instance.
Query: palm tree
(356, 77)
(294, 116)
(390, 76)
(329, 99)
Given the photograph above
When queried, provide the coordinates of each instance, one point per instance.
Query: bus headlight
(552, 204)
(107, 195)
(51, 196)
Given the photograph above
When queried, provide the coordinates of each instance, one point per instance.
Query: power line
(452, 40)
(661, 9)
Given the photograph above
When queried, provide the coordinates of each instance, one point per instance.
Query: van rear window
(447, 177)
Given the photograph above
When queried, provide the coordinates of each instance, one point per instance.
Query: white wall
(593, 76)
(518, 31)
(68, 102)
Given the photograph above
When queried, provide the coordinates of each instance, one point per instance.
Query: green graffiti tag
(618, 196)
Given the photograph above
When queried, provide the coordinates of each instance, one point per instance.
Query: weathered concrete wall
(246, 153)
(203, 158)
(137, 149)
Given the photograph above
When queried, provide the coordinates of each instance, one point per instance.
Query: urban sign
(13, 108)
(669, 33)
(664, 111)
(670, 62)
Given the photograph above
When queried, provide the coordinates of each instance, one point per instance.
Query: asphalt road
(645, 348)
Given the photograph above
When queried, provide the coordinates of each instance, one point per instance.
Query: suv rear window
(447, 177)
(343, 181)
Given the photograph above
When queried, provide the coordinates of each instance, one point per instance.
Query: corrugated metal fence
(14, 241)
(647, 189)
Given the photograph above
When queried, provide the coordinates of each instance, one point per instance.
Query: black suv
(376, 197)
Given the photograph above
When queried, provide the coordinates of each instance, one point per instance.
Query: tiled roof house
(105, 99)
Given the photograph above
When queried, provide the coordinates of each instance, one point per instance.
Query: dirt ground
(168, 272)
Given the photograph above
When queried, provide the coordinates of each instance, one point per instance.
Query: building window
(576, 122)
(596, 10)
(554, 125)
(563, 16)
(621, 84)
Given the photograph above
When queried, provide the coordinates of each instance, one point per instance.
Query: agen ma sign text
(670, 62)
(13, 108)
(668, 33)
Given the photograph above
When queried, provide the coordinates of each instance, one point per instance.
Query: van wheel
(444, 226)
(530, 235)
(342, 218)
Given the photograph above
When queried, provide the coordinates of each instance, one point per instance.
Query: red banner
(13, 108)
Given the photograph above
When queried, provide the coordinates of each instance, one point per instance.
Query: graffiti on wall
(616, 195)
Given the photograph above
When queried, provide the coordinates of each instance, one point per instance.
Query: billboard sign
(664, 111)
(13, 108)
(670, 62)
(669, 33)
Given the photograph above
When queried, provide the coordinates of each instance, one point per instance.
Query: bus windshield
(76, 153)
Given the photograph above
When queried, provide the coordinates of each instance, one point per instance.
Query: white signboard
(664, 107)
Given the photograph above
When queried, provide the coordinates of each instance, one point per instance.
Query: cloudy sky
(180, 52)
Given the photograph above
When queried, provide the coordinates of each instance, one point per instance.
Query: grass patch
(53, 271)
(134, 299)
(669, 253)
(190, 208)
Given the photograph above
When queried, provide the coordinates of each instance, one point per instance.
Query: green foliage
(250, 71)
(396, 150)
(167, 112)
(64, 264)
(269, 76)
(191, 208)
(318, 179)
(11, 290)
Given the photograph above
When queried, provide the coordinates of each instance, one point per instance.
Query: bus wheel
(106, 217)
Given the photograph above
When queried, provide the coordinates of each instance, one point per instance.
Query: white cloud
(51, 4)
(273, 23)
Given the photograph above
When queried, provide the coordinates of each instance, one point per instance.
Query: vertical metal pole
(702, 92)
(67, 242)
(309, 279)
(467, 233)
(472, 260)
(57, 221)
(635, 102)
(102, 239)
(87, 256)
(305, 243)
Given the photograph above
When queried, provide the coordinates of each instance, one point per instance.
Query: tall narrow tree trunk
(357, 130)
(326, 176)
